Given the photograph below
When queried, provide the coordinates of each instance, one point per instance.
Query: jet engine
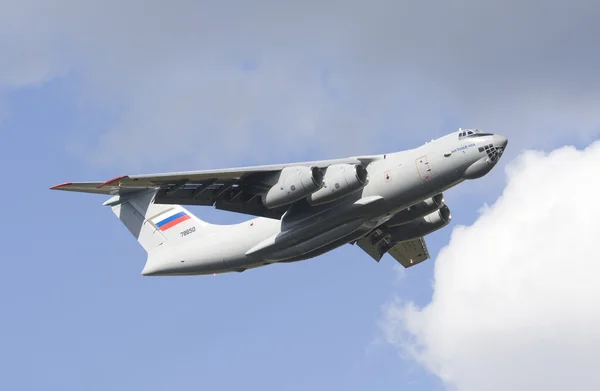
(415, 211)
(422, 226)
(293, 184)
(339, 181)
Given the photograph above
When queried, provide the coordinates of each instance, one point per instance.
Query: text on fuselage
(463, 148)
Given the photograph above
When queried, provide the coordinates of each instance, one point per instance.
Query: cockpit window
(467, 132)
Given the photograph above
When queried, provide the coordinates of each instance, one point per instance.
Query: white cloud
(516, 295)
(393, 68)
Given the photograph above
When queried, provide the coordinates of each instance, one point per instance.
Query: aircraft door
(424, 168)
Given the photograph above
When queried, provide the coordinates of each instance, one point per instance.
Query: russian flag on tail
(172, 221)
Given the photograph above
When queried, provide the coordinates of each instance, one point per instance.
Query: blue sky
(89, 92)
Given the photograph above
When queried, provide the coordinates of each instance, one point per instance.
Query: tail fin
(154, 224)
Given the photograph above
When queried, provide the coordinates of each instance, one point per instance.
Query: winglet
(61, 185)
(113, 180)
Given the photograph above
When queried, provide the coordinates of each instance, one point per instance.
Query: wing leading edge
(90, 187)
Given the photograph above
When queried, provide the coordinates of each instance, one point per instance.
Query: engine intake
(294, 183)
(422, 226)
(415, 211)
(340, 180)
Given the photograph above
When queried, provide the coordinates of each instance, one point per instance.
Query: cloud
(222, 78)
(515, 303)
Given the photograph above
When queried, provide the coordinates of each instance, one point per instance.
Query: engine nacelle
(422, 226)
(415, 211)
(294, 183)
(339, 181)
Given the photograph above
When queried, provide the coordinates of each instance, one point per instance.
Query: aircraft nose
(493, 152)
(499, 141)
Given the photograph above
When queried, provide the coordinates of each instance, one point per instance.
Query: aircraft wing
(232, 189)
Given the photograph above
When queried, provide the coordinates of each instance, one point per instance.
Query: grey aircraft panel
(410, 252)
(90, 187)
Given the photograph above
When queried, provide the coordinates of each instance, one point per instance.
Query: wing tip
(61, 185)
(108, 182)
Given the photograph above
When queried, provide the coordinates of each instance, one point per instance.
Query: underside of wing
(234, 189)
(242, 196)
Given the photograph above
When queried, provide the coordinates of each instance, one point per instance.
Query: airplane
(384, 204)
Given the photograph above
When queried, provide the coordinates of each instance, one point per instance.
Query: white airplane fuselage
(396, 181)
